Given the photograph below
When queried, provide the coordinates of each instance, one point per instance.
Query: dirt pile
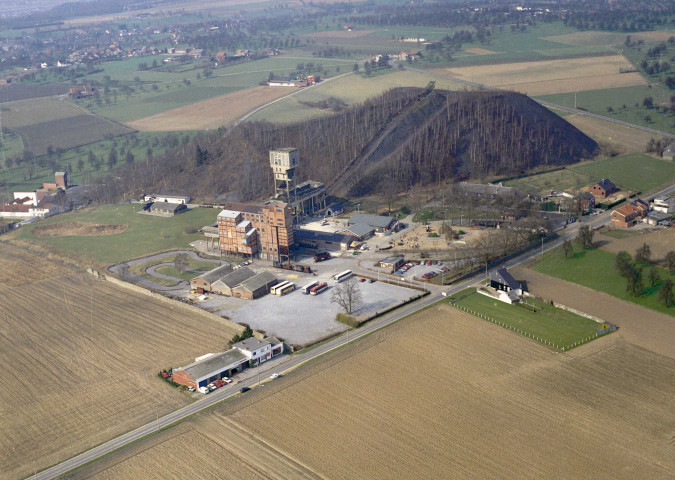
(78, 229)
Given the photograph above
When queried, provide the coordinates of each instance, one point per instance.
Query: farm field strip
(550, 76)
(480, 402)
(351, 89)
(212, 113)
(84, 356)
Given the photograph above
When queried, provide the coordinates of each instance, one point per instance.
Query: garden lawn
(146, 234)
(594, 268)
(554, 325)
(635, 171)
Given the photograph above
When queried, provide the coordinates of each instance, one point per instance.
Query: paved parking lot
(300, 318)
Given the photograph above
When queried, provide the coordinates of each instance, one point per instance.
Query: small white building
(664, 205)
(259, 351)
(179, 199)
(26, 198)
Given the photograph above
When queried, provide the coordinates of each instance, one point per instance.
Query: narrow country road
(295, 360)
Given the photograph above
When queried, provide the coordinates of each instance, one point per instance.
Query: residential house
(603, 189)
(669, 152)
(626, 216)
(586, 201)
(507, 288)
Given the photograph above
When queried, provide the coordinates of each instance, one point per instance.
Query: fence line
(562, 348)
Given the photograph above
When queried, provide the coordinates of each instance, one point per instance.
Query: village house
(629, 214)
(603, 189)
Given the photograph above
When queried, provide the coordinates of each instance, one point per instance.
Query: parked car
(274, 375)
(362, 280)
(191, 389)
(372, 280)
(204, 390)
(244, 389)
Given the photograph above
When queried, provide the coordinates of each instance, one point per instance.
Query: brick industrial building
(264, 231)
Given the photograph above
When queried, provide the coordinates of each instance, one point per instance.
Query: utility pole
(575, 100)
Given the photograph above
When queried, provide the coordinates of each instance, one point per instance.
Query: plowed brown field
(551, 76)
(211, 113)
(660, 242)
(446, 395)
(620, 138)
(80, 358)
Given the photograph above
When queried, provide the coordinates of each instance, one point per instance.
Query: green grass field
(145, 234)
(351, 89)
(560, 180)
(598, 101)
(594, 268)
(173, 92)
(636, 171)
(547, 324)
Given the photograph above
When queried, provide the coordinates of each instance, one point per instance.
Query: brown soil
(211, 113)
(551, 76)
(618, 138)
(81, 357)
(638, 325)
(479, 51)
(446, 395)
(660, 241)
(78, 229)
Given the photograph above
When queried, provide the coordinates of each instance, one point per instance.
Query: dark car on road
(244, 389)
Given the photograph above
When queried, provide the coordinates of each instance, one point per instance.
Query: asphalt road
(294, 361)
(548, 104)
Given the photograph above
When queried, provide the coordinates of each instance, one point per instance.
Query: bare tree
(348, 295)
(181, 261)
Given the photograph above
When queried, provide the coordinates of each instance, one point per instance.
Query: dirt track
(638, 325)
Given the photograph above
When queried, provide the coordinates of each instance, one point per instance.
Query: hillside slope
(394, 141)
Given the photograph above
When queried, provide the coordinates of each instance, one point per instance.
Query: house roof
(243, 207)
(360, 229)
(606, 184)
(587, 196)
(505, 278)
(377, 221)
(228, 214)
(659, 216)
(669, 149)
(393, 260)
(213, 275)
(626, 210)
(256, 282)
(251, 344)
(323, 236)
(214, 363)
(236, 277)
(274, 340)
(166, 206)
